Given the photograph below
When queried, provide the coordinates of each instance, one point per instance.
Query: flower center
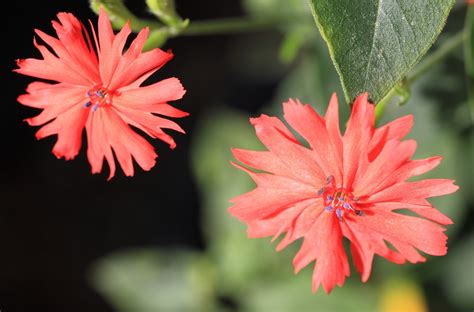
(339, 200)
(99, 96)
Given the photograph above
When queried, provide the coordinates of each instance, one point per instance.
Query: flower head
(341, 186)
(99, 89)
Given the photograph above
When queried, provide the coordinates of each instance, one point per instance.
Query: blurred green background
(234, 273)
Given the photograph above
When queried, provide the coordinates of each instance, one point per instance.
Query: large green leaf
(374, 43)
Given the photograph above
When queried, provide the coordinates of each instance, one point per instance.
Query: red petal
(44, 95)
(406, 233)
(311, 126)
(98, 144)
(281, 143)
(393, 155)
(332, 124)
(266, 161)
(127, 144)
(68, 126)
(323, 243)
(278, 223)
(394, 130)
(356, 138)
(420, 189)
(273, 194)
(161, 92)
(50, 68)
(109, 62)
(149, 123)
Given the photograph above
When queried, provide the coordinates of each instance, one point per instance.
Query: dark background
(56, 218)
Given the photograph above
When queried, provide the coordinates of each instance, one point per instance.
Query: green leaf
(144, 279)
(119, 14)
(373, 44)
(469, 57)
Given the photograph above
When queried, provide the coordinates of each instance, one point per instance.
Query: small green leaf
(373, 44)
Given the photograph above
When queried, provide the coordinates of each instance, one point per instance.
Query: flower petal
(163, 91)
(68, 126)
(392, 156)
(272, 195)
(323, 243)
(356, 138)
(419, 189)
(282, 144)
(312, 127)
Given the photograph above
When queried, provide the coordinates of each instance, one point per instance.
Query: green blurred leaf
(459, 280)
(143, 280)
(295, 294)
(273, 8)
(373, 44)
(239, 261)
(469, 57)
(119, 15)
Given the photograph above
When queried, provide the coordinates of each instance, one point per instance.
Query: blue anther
(95, 107)
(330, 198)
(359, 212)
(341, 199)
(87, 105)
(328, 208)
(88, 93)
(99, 93)
(339, 213)
(321, 191)
(346, 205)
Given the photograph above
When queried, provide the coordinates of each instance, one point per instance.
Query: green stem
(382, 105)
(230, 25)
(434, 58)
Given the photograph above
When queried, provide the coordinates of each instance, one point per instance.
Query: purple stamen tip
(346, 205)
(330, 198)
(98, 93)
(339, 213)
(330, 179)
(359, 212)
(328, 208)
(87, 105)
(321, 191)
(95, 107)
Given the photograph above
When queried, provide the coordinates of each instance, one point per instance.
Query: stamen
(95, 107)
(87, 105)
(339, 199)
(339, 214)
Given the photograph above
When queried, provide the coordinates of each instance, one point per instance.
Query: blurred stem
(434, 58)
(425, 65)
(229, 25)
(382, 105)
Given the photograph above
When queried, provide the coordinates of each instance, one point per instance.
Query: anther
(346, 205)
(328, 208)
(95, 108)
(321, 191)
(359, 212)
(330, 179)
(330, 198)
(87, 105)
(339, 214)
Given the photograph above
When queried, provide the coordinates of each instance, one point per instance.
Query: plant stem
(229, 25)
(432, 59)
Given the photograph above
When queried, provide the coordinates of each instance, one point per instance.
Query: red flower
(101, 92)
(341, 186)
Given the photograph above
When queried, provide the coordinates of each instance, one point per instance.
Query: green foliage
(373, 44)
(141, 280)
(469, 58)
